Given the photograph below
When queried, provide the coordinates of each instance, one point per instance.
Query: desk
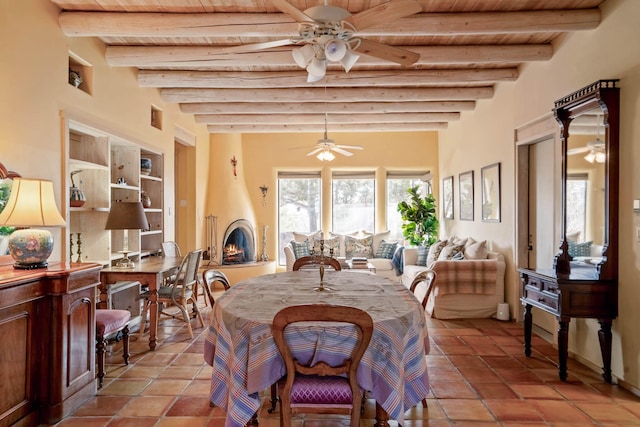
(240, 347)
(149, 271)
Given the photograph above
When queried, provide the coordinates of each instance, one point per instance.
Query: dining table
(151, 272)
(239, 343)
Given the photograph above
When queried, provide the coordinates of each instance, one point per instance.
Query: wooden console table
(47, 341)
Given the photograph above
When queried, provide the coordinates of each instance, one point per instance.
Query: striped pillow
(386, 249)
(300, 249)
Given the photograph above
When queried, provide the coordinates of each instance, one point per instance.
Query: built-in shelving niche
(80, 73)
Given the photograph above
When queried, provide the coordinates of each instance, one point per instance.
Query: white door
(542, 241)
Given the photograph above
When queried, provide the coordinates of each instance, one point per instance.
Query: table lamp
(126, 216)
(31, 203)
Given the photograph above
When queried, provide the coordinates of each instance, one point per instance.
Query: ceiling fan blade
(290, 10)
(388, 53)
(316, 151)
(251, 47)
(341, 151)
(351, 147)
(578, 150)
(383, 13)
(304, 146)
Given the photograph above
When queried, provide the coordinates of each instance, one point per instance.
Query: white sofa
(383, 266)
(475, 298)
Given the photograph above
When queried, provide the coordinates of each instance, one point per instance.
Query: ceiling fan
(324, 147)
(329, 34)
(594, 149)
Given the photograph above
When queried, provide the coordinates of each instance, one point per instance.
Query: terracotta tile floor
(479, 378)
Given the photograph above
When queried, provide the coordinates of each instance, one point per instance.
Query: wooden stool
(109, 322)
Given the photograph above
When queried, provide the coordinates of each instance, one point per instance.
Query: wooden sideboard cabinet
(47, 341)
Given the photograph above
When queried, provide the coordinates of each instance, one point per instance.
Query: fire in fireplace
(239, 243)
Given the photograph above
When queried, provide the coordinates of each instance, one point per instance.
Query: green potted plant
(5, 189)
(420, 223)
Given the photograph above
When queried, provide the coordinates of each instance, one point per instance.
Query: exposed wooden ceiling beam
(296, 119)
(358, 127)
(277, 25)
(305, 95)
(201, 57)
(331, 107)
(274, 79)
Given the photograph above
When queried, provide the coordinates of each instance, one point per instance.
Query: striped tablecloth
(245, 360)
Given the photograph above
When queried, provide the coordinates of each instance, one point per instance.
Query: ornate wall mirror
(583, 282)
(589, 128)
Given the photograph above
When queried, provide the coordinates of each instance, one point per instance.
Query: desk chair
(179, 292)
(110, 322)
(305, 387)
(314, 260)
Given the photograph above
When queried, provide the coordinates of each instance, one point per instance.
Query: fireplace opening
(239, 243)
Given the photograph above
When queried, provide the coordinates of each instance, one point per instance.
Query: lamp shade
(127, 216)
(31, 203)
(348, 60)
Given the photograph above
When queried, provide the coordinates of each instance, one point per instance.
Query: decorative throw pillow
(329, 244)
(378, 238)
(458, 257)
(476, 250)
(434, 251)
(580, 249)
(301, 237)
(450, 250)
(340, 239)
(361, 247)
(423, 251)
(300, 249)
(386, 249)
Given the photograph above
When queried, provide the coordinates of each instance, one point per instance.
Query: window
(577, 201)
(353, 207)
(298, 206)
(397, 186)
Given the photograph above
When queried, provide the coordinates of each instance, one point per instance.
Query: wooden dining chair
(322, 388)
(179, 292)
(209, 278)
(428, 277)
(314, 260)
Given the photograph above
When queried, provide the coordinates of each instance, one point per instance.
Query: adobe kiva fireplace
(239, 244)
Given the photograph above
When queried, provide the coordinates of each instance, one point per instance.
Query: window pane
(577, 200)
(396, 193)
(353, 204)
(298, 209)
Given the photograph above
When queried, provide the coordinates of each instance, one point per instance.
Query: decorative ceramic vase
(30, 248)
(74, 78)
(76, 195)
(145, 166)
(145, 200)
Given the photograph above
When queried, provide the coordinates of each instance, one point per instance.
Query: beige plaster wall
(486, 135)
(261, 156)
(35, 92)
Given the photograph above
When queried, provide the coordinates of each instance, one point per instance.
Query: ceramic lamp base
(30, 248)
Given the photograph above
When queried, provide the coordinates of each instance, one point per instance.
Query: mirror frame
(605, 95)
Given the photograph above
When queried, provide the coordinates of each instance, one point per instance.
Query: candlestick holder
(320, 259)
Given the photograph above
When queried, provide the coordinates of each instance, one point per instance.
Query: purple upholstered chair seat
(108, 321)
(313, 389)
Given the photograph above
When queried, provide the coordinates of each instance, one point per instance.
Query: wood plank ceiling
(466, 48)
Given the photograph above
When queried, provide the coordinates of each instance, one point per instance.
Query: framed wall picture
(490, 181)
(465, 189)
(447, 197)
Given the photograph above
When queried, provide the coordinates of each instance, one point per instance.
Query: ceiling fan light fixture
(303, 55)
(600, 157)
(325, 155)
(590, 157)
(317, 68)
(348, 60)
(335, 50)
